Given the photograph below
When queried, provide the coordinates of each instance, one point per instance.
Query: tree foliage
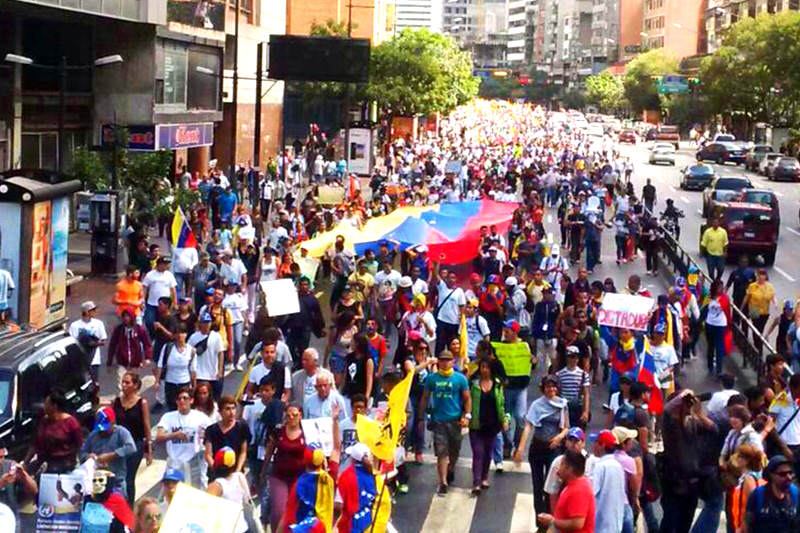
(606, 91)
(639, 80)
(418, 71)
(755, 74)
(497, 88)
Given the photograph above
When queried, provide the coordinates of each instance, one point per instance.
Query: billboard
(198, 13)
(10, 225)
(59, 237)
(360, 151)
(40, 263)
(294, 57)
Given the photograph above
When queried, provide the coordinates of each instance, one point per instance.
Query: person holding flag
(309, 508)
(358, 489)
(184, 251)
(622, 354)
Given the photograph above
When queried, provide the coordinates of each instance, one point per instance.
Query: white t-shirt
(275, 236)
(783, 411)
(477, 330)
(159, 285)
(419, 287)
(6, 286)
(393, 277)
(93, 327)
(233, 272)
(180, 363)
(259, 371)
(193, 424)
(664, 357)
(236, 303)
(450, 304)
(207, 362)
(719, 401)
(416, 322)
(716, 316)
(184, 260)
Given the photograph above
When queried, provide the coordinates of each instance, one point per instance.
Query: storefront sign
(139, 137)
(625, 311)
(172, 136)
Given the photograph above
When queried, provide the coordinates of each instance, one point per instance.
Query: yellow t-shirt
(759, 297)
(361, 285)
(715, 241)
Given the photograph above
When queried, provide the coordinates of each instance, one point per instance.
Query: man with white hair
(304, 381)
(320, 405)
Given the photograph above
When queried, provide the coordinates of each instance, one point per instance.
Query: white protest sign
(281, 297)
(319, 431)
(625, 311)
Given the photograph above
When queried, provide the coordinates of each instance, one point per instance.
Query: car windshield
(731, 183)
(701, 169)
(725, 195)
(787, 162)
(6, 379)
(747, 217)
(757, 197)
(726, 138)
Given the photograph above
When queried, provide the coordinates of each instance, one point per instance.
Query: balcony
(150, 11)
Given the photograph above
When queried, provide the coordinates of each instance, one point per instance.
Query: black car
(721, 153)
(32, 364)
(697, 177)
(785, 168)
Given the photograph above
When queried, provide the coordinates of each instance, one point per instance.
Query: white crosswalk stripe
(453, 512)
(522, 521)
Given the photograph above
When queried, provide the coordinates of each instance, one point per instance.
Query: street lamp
(62, 69)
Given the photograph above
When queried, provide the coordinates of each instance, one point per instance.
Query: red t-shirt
(577, 499)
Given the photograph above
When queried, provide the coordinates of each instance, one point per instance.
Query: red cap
(475, 277)
(606, 439)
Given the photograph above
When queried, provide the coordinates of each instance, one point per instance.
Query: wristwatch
(468, 416)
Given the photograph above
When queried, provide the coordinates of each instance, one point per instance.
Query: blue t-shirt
(445, 396)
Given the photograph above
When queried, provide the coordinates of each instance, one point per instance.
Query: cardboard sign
(319, 431)
(196, 510)
(330, 195)
(625, 311)
(61, 501)
(516, 357)
(281, 297)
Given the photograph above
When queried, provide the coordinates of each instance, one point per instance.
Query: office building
(722, 14)
(417, 14)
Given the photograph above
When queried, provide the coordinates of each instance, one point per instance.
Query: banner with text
(625, 311)
(516, 357)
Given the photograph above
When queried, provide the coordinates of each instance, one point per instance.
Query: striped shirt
(570, 383)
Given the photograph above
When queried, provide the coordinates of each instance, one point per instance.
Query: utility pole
(348, 92)
(235, 101)
(257, 128)
(62, 109)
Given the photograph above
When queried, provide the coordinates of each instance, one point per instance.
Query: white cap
(555, 249)
(405, 282)
(511, 281)
(358, 451)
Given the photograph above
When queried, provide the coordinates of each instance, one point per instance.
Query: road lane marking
(782, 273)
(793, 230)
(684, 199)
(522, 519)
(452, 512)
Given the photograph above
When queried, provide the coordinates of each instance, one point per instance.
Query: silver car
(661, 155)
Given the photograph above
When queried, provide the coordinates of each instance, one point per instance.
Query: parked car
(627, 136)
(723, 138)
(697, 177)
(728, 183)
(32, 364)
(752, 230)
(785, 168)
(721, 153)
(765, 166)
(659, 154)
(755, 155)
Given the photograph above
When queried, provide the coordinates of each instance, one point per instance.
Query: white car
(662, 155)
(765, 167)
(663, 147)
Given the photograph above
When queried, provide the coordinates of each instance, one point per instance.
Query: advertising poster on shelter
(10, 221)
(57, 295)
(40, 263)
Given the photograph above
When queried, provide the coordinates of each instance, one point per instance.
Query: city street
(508, 505)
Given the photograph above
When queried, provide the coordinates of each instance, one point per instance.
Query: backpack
(624, 415)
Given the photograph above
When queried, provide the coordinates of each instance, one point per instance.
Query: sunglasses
(785, 473)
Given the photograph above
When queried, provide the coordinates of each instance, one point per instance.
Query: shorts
(338, 363)
(446, 439)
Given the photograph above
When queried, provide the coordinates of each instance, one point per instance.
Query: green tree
(496, 88)
(418, 71)
(755, 74)
(640, 79)
(606, 91)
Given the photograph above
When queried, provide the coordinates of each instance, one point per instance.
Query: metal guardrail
(744, 332)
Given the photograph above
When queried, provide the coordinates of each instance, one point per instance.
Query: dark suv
(32, 364)
(721, 153)
(752, 229)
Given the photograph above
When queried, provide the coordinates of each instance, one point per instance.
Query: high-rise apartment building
(517, 27)
(419, 14)
(675, 25)
(721, 14)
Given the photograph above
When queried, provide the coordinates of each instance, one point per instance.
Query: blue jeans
(516, 403)
(238, 329)
(715, 338)
(497, 453)
(627, 520)
(150, 315)
(181, 278)
(416, 434)
(716, 266)
(708, 520)
(592, 254)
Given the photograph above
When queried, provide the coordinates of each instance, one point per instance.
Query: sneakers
(498, 468)
(476, 491)
(402, 488)
(442, 490)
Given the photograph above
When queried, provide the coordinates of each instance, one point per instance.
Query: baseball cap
(573, 351)
(606, 439)
(621, 434)
(225, 456)
(172, 474)
(420, 299)
(210, 291)
(576, 433)
(680, 281)
(206, 317)
(627, 378)
(494, 278)
(513, 325)
(788, 305)
(511, 281)
(661, 328)
(87, 306)
(164, 259)
(312, 455)
(775, 462)
(474, 277)
(358, 451)
(104, 419)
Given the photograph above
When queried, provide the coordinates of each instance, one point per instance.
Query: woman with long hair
(148, 516)
(489, 416)
(359, 370)
(718, 322)
(284, 461)
(204, 401)
(133, 413)
(178, 366)
(340, 339)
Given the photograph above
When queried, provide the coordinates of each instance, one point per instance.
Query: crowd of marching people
(191, 315)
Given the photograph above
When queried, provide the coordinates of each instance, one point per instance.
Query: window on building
(175, 59)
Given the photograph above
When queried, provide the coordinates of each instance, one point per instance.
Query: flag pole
(378, 503)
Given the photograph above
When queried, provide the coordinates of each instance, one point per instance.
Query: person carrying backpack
(776, 505)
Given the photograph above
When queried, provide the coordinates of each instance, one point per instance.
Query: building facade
(416, 14)
(674, 25)
(722, 14)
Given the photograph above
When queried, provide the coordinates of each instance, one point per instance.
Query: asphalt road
(508, 505)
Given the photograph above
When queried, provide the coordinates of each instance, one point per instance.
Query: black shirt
(234, 438)
(355, 375)
(487, 413)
